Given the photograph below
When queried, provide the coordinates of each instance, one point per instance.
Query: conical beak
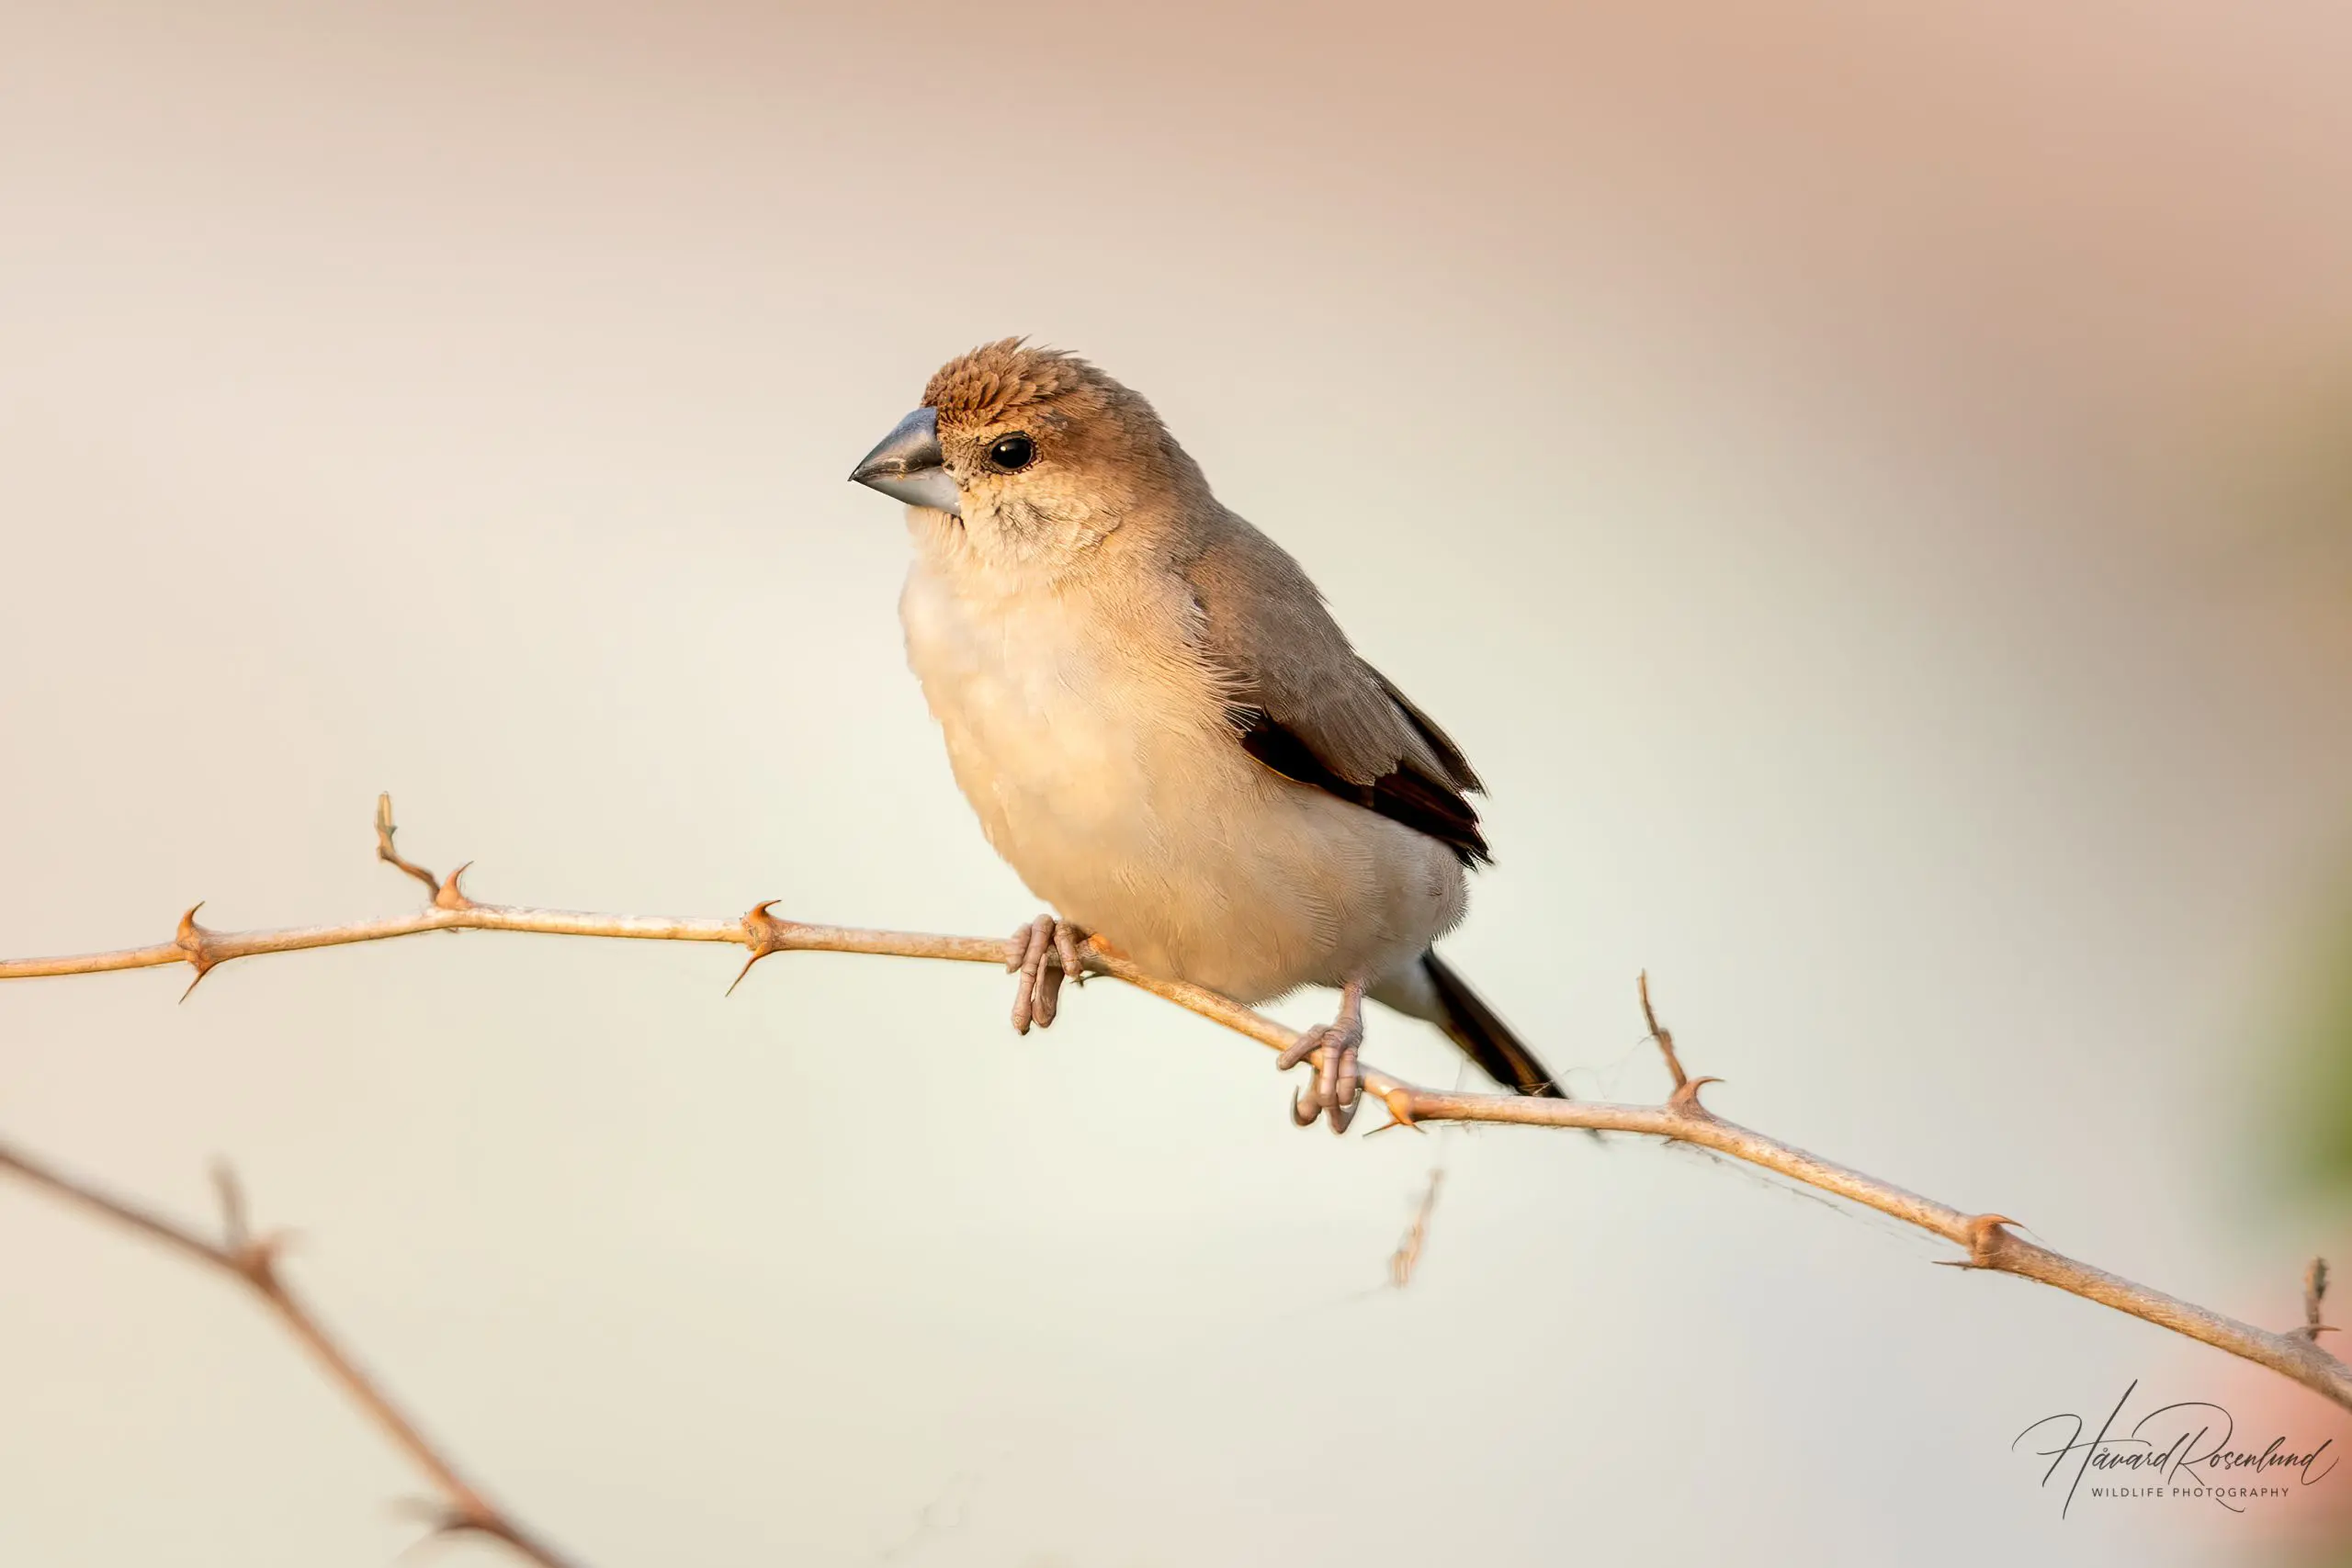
(905, 466)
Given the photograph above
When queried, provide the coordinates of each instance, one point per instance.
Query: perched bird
(1163, 729)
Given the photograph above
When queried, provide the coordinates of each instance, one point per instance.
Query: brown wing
(1441, 745)
(1407, 795)
(1306, 706)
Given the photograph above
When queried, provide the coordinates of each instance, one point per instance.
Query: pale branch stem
(252, 1260)
(2314, 1296)
(1408, 1256)
(1988, 1242)
(1663, 1036)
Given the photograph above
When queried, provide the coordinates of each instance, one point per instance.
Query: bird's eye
(1013, 453)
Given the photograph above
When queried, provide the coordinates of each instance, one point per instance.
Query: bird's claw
(1042, 952)
(1338, 1080)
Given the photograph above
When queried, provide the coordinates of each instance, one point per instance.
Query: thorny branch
(1985, 1240)
(460, 1507)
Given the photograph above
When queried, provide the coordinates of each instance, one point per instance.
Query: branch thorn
(1985, 1237)
(194, 940)
(257, 1259)
(764, 935)
(1399, 1101)
(449, 896)
(1684, 1102)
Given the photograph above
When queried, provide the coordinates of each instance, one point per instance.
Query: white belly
(1098, 757)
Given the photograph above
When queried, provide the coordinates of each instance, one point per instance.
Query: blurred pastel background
(1866, 484)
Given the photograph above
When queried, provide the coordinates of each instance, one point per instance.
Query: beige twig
(2315, 1295)
(1686, 1087)
(1986, 1242)
(1408, 1256)
(1663, 1036)
(461, 1508)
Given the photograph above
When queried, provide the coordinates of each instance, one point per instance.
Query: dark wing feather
(1484, 1037)
(1441, 745)
(1406, 794)
(1305, 706)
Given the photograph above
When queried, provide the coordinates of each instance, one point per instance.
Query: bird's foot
(1338, 1081)
(1043, 952)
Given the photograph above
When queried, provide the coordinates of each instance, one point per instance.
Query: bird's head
(1028, 457)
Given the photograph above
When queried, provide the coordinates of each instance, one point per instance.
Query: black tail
(1486, 1039)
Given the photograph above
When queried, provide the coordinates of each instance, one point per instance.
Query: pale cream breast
(1094, 746)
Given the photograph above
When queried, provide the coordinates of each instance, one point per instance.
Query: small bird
(1162, 729)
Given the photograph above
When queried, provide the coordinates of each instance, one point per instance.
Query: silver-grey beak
(905, 466)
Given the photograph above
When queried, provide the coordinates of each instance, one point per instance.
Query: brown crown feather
(996, 379)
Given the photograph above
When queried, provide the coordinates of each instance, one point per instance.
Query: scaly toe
(1045, 951)
(1030, 1002)
(1339, 1080)
(1301, 1048)
(1334, 1064)
(1349, 1077)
